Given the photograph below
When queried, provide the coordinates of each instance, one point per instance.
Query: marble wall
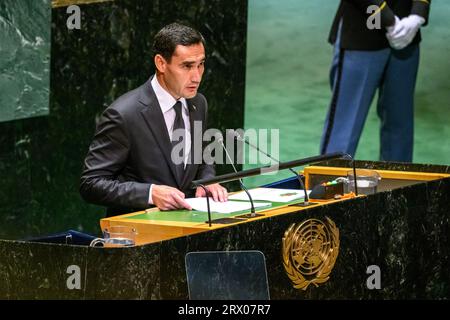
(24, 58)
(41, 158)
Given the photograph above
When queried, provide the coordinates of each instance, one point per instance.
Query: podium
(154, 225)
(394, 244)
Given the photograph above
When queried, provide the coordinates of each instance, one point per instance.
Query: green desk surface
(198, 216)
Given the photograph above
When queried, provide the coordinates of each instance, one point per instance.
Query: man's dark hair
(172, 35)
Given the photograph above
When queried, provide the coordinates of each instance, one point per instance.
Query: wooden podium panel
(153, 225)
(389, 179)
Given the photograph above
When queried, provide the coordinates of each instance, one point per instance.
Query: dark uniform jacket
(355, 35)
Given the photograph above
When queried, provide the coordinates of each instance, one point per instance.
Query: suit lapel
(154, 118)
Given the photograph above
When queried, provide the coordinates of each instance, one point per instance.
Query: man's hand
(168, 198)
(218, 192)
(404, 31)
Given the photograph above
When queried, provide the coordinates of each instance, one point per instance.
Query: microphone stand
(252, 210)
(354, 172)
(306, 200)
(282, 165)
(207, 202)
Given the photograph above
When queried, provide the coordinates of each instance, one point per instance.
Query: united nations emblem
(310, 251)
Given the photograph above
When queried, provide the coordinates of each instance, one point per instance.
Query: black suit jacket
(356, 36)
(131, 150)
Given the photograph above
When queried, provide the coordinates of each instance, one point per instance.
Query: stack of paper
(271, 194)
(200, 204)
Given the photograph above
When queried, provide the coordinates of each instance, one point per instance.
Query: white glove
(404, 31)
(391, 29)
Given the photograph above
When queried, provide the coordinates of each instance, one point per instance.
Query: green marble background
(41, 158)
(24, 58)
(287, 87)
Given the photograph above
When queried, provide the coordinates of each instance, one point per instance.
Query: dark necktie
(178, 125)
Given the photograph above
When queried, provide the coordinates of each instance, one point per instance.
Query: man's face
(181, 76)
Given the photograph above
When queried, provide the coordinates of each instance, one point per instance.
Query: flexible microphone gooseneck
(207, 202)
(238, 137)
(253, 213)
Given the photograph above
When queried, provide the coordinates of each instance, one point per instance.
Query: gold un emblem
(310, 251)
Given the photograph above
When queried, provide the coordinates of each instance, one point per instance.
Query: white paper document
(200, 204)
(271, 194)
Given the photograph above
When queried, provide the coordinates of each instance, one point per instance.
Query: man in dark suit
(143, 150)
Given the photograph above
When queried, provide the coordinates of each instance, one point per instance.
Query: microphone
(306, 201)
(252, 210)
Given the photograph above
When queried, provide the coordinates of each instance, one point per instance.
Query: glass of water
(117, 236)
(367, 181)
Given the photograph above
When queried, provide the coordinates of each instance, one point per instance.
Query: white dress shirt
(166, 102)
